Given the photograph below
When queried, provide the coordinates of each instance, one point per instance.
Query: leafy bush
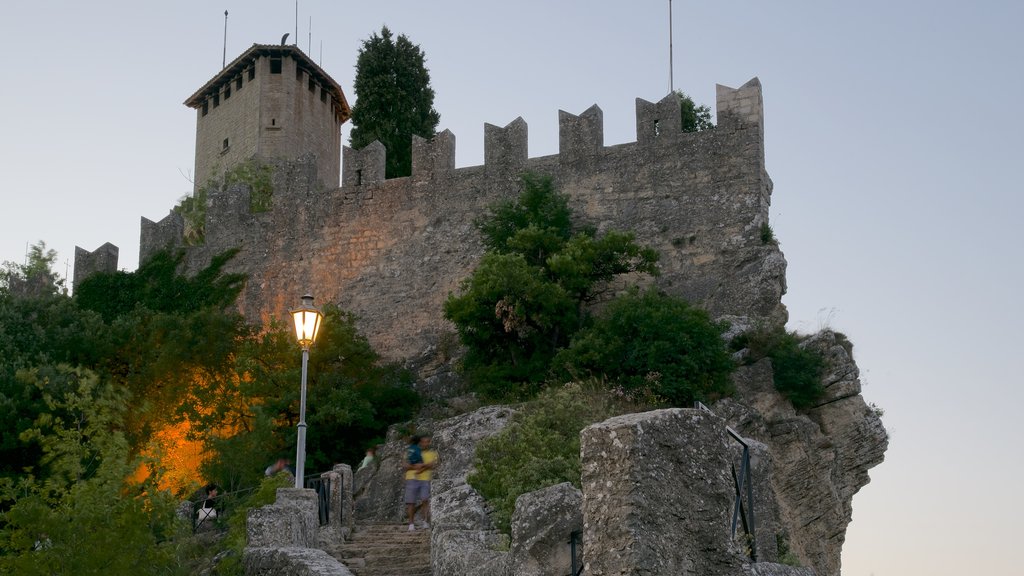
(653, 340)
(796, 370)
(531, 291)
(541, 445)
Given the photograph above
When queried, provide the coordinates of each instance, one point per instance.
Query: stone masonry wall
(391, 251)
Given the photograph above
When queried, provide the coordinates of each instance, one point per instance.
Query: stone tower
(271, 102)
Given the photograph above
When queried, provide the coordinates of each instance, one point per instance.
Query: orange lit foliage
(179, 450)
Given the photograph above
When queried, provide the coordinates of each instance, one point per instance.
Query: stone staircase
(386, 550)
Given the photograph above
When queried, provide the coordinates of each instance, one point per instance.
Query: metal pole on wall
(671, 84)
(224, 57)
(300, 450)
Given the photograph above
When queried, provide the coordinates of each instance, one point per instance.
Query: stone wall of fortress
(392, 250)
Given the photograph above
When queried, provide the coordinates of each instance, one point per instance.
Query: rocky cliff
(658, 488)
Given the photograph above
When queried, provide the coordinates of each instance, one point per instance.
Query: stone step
(385, 550)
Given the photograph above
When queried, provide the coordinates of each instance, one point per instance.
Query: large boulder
(658, 495)
(542, 524)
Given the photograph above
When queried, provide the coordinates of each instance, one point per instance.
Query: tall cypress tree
(394, 99)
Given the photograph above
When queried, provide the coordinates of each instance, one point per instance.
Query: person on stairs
(421, 460)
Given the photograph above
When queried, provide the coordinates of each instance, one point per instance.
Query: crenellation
(432, 156)
(580, 136)
(363, 167)
(156, 236)
(506, 148)
(100, 260)
(659, 121)
(740, 106)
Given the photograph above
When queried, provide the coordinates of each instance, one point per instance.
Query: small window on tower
(238, 83)
(312, 84)
(226, 144)
(206, 108)
(216, 100)
(275, 65)
(227, 91)
(252, 73)
(298, 74)
(323, 95)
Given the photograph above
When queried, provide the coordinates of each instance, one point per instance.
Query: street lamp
(307, 325)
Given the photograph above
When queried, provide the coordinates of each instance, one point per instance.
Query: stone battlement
(391, 250)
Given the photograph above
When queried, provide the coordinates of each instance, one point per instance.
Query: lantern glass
(307, 322)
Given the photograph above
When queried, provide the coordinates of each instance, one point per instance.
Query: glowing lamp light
(307, 322)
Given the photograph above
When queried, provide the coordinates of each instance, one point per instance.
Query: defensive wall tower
(270, 103)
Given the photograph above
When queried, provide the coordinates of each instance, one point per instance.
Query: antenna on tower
(671, 84)
(224, 56)
(309, 42)
(296, 22)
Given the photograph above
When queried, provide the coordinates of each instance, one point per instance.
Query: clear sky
(892, 132)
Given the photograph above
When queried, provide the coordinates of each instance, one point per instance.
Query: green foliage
(258, 177)
(157, 286)
(193, 213)
(394, 99)
(796, 370)
(655, 341)
(352, 398)
(541, 445)
(695, 118)
(35, 278)
(528, 295)
(83, 517)
(767, 234)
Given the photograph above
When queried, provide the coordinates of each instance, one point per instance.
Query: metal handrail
(577, 563)
(743, 481)
(322, 485)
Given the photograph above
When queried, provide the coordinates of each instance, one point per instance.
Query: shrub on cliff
(532, 289)
(541, 445)
(651, 340)
(796, 370)
(394, 99)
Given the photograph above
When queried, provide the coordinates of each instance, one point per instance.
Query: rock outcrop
(820, 458)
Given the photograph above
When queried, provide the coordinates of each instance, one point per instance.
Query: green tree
(530, 293)
(83, 517)
(394, 99)
(654, 341)
(695, 118)
(35, 278)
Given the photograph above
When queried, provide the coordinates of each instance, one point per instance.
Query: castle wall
(391, 251)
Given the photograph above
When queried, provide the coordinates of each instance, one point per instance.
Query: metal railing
(742, 483)
(575, 539)
(322, 485)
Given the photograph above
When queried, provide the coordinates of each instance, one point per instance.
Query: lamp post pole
(307, 325)
(300, 450)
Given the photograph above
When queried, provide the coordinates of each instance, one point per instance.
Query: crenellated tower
(270, 103)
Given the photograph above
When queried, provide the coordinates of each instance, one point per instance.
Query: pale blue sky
(892, 133)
